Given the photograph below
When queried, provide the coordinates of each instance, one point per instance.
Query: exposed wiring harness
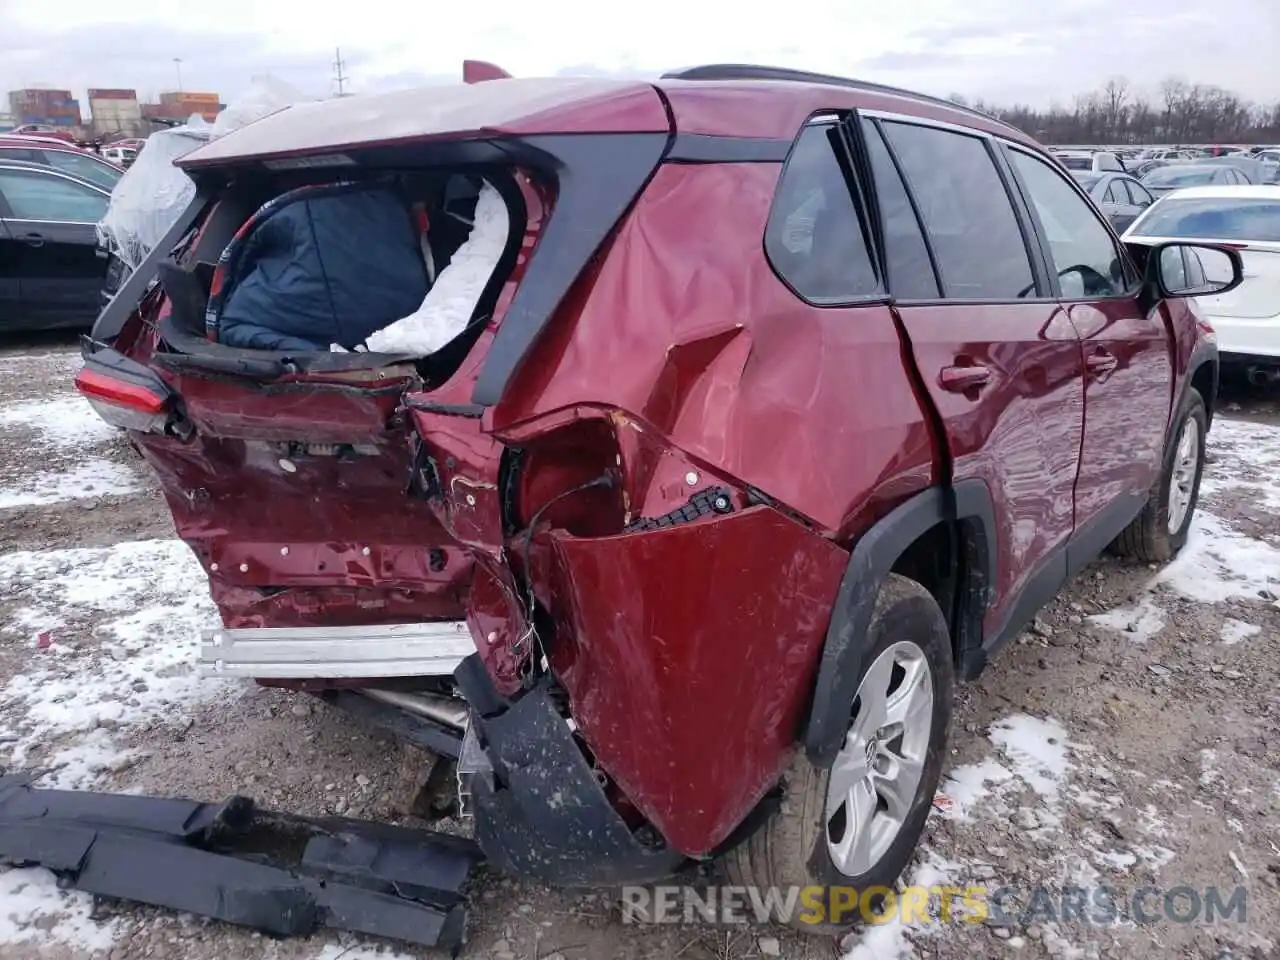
(606, 480)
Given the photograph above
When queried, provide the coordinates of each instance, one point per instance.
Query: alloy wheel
(873, 782)
(1182, 479)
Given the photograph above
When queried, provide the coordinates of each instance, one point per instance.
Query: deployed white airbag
(452, 299)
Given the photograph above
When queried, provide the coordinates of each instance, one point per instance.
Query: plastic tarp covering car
(148, 198)
(319, 266)
(153, 192)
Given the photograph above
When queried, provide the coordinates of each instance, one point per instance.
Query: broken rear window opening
(282, 275)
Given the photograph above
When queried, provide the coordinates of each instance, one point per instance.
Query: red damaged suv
(780, 402)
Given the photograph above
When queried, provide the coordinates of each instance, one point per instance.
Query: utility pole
(339, 76)
(177, 65)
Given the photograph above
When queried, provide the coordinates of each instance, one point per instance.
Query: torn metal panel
(715, 667)
(281, 874)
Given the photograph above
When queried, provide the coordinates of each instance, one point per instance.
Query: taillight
(132, 406)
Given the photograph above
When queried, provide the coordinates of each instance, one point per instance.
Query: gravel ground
(1129, 739)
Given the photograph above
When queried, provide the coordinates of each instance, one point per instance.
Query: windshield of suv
(1213, 218)
(1179, 176)
(1077, 163)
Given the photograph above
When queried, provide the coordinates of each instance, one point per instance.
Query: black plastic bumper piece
(281, 874)
(543, 814)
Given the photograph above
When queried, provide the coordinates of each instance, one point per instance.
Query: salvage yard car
(665, 451)
(50, 268)
(1246, 320)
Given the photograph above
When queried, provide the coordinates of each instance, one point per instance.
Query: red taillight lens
(121, 404)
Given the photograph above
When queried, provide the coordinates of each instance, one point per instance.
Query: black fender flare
(870, 561)
(1205, 352)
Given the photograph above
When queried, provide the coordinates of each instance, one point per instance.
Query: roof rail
(746, 71)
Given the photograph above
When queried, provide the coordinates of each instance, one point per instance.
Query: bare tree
(1115, 98)
(1184, 113)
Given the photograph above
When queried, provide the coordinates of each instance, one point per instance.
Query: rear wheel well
(947, 560)
(1205, 381)
(930, 560)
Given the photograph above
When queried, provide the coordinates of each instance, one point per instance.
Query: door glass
(33, 195)
(1113, 193)
(814, 237)
(966, 209)
(13, 153)
(911, 274)
(1086, 259)
(82, 166)
(1139, 194)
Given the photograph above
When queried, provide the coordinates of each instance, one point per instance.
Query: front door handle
(1100, 363)
(32, 239)
(961, 379)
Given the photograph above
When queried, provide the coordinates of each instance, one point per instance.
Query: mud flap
(283, 875)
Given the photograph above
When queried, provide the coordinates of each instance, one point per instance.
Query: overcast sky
(1002, 50)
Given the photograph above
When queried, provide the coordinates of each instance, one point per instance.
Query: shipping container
(112, 93)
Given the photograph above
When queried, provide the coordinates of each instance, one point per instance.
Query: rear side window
(911, 275)
(815, 238)
(972, 226)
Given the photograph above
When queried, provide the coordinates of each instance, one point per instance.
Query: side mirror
(1194, 269)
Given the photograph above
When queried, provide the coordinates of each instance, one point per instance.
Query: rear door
(52, 218)
(1128, 371)
(998, 355)
(10, 287)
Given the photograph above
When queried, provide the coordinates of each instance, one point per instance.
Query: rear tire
(800, 844)
(1160, 531)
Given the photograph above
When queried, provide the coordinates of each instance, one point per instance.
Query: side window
(1084, 255)
(40, 196)
(1139, 194)
(82, 166)
(814, 237)
(1115, 193)
(974, 232)
(911, 275)
(13, 153)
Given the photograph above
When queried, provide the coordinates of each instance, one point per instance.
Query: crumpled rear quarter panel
(691, 655)
(685, 326)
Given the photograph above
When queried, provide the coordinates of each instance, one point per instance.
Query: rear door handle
(33, 239)
(959, 379)
(1101, 362)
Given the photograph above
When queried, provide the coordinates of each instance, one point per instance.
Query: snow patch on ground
(1141, 621)
(34, 910)
(62, 430)
(1219, 564)
(67, 421)
(94, 477)
(1236, 631)
(336, 951)
(117, 631)
(1245, 455)
(892, 940)
(1036, 750)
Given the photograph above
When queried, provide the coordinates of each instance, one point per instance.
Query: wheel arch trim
(871, 560)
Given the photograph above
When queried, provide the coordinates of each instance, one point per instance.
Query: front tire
(855, 826)
(1160, 531)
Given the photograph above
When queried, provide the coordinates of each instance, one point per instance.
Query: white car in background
(1247, 319)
